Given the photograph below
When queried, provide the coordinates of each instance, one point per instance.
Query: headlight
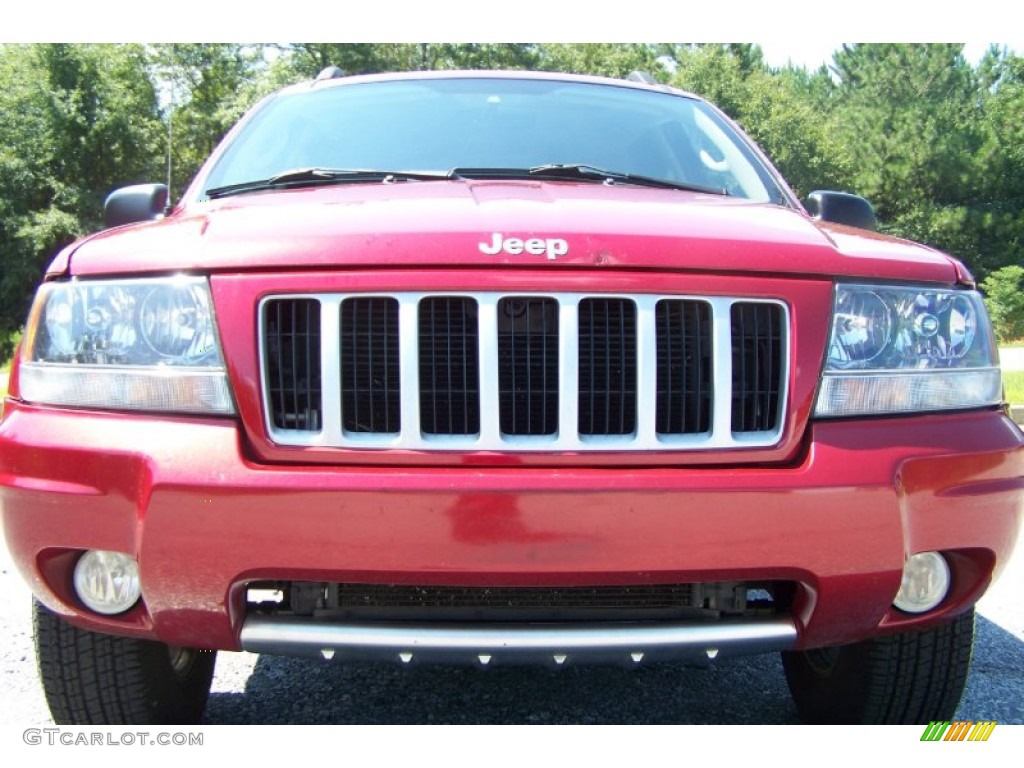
(902, 350)
(128, 344)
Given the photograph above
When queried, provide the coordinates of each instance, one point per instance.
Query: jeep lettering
(552, 246)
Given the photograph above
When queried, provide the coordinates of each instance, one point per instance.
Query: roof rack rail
(640, 76)
(329, 73)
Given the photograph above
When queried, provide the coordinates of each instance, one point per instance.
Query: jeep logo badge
(513, 246)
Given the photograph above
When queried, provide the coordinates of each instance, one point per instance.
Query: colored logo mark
(958, 730)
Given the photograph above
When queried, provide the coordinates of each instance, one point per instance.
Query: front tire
(96, 679)
(910, 677)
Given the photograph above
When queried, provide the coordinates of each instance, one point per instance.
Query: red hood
(442, 224)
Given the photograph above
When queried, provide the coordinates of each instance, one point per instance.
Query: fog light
(925, 583)
(107, 582)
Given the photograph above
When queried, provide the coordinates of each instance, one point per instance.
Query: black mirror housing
(841, 208)
(140, 202)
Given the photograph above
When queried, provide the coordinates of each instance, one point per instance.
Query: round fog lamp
(925, 583)
(107, 582)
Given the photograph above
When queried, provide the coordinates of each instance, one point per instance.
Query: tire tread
(91, 678)
(908, 677)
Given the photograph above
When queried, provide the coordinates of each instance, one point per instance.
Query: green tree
(478, 56)
(206, 87)
(606, 59)
(777, 109)
(909, 115)
(76, 121)
(1000, 160)
(936, 145)
(1005, 301)
(713, 72)
(801, 141)
(309, 59)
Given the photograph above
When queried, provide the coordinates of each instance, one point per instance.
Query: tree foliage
(936, 144)
(76, 121)
(1005, 301)
(910, 116)
(203, 84)
(777, 109)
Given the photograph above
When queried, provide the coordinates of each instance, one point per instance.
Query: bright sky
(527, 21)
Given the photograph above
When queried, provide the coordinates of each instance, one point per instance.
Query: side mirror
(841, 208)
(140, 202)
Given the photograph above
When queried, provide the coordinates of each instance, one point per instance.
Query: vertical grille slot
(607, 367)
(449, 366)
(292, 350)
(370, 382)
(684, 389)
(528, 365)
(756, 366)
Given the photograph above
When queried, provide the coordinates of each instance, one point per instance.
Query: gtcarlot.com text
(76, 737)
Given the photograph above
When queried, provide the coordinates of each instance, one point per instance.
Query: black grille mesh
(756, 366)
(607, 372)
(528, 365)
(292, 349)
(449, 366)
(684, 367)
(370, 383)
(391, 596)
(325, 601)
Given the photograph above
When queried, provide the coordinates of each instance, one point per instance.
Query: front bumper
(204, 520)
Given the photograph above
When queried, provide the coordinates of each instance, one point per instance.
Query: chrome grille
(557, 372)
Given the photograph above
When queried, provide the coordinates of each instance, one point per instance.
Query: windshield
(435, 126)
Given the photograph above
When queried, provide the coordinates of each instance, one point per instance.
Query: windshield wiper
(590, 172)
(558, 172)
(305, 177)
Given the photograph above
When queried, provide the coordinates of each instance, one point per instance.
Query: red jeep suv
(486, 368)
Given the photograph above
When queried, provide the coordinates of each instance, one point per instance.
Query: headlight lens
(127, 344)
(900, 350)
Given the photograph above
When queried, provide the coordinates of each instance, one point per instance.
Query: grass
(1014, 383)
